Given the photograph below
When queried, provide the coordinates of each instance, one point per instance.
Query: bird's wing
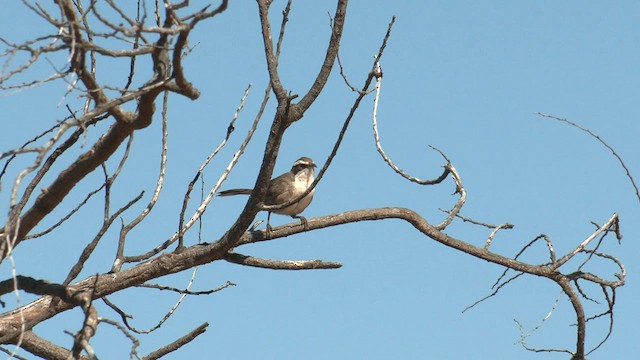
(280, 189)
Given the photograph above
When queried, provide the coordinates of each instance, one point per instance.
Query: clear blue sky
(464, 76)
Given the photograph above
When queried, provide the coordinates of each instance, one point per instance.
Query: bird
(284, 188)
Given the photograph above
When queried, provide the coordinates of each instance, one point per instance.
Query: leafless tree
(156, 36)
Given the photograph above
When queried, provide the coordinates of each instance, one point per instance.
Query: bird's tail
(232, 192)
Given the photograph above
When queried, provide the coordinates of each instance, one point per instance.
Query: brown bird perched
(284, 188)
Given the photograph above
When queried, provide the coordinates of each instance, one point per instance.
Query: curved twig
(597, 137)
(381, 151)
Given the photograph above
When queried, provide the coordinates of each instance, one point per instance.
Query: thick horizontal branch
(408, 215)
(34, 286)
(106, 284)
(44, 348)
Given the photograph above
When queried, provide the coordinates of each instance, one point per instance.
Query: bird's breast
(301, 184)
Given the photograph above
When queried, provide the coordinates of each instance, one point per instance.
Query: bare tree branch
(134, 341)
(178, 343)
(45, 349)
(329, 59)
(240, 259)
(187, 292)
(597, 137)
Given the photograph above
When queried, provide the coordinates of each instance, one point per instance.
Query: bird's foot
(303, 220)
(267, 234)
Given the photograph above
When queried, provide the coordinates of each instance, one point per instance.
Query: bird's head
(302, 164)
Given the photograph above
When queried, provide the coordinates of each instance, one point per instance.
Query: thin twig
(178, 343)
(186, 291)
(134, 341)
(597, 137)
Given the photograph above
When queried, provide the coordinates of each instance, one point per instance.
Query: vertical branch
(581, 321)
(272, 61)
(329, 59)
(156, 193)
